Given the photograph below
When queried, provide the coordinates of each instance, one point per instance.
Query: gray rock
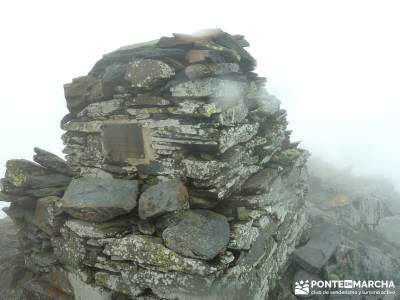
(242, 235)
(51, 161)
(205, 70)
(148, 101)
(319, 249)
(43, 290)
(164, 197)
(77, 92)
(149, 252)
(69, 250)
(200, 234)
(200, 56)
(115, 283)
(247, 62)
(263, 246)
(99, 199)
(11, 260)
(46, 217)
(260, 182)
(146, 227)
(194, 109)
(389, 228)
(98, 230)
(8, 197)
(167, 220)
(86, 291)
(45, 192)
(209, 87)
(19, 170)
(148, 73)
(48, 181)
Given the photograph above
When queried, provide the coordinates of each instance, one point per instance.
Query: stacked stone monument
(185, 183)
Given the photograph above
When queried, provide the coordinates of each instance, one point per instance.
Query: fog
(334, 66)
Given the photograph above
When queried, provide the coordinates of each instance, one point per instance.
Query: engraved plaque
(124, 143)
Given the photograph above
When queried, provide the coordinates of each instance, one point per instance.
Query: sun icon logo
(302, 287)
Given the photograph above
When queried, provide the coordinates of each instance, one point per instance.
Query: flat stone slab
(19, 170)
(204, 70)
(209, 87)
(51, 161)
(260, 182)
(149, 251)
(319, 249)
(99, 199)
(200, 234)
(98, 230)
(48, 181)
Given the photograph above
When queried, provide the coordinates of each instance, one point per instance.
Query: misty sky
(334, 64)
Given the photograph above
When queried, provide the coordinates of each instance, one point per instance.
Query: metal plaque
(123, 142)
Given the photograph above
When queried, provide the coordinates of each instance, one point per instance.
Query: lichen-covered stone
(69, 250)
(186, 109)
(199, 234)
(204, 70)
(85, 291)
(163, 197)
(195, 109)
(116, 283)
(209, 87)
(19, 170)
(242, 235)
(46, 217)
(103, 230)
(148, 73)
(150, 252)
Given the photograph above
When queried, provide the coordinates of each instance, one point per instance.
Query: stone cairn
(180, 182)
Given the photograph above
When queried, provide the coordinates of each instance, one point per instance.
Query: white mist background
(334, 64)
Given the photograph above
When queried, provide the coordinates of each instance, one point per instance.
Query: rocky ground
(353, 234)
(12, 268)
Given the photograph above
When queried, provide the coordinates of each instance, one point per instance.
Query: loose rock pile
(352, 236)
(186, 184)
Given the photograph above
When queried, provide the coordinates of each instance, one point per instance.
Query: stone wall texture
(180, 180)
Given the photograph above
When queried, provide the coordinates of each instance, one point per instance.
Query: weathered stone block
(200, 234)
(164, 197)
(99, 199)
